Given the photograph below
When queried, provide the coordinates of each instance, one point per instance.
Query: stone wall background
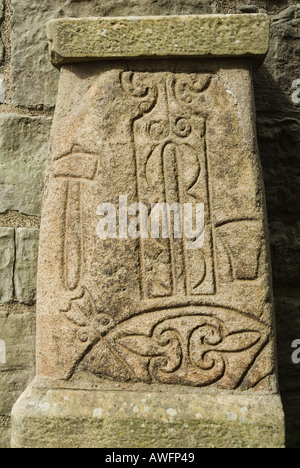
(28, 85)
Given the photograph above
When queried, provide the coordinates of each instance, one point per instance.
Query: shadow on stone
(278, 126)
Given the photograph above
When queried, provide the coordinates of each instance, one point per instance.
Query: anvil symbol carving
(77, 164)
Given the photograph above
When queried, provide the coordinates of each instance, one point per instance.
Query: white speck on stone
(2, 91)
(232, 417)
(136, 409)
(148, 44)
(66, 398)
(98, 413)
(171, 412)
(143, 425)
(103, 33)
(146, 409)
(2, 352)
(45, 406)
(244, 410)
(149, 31)
(31, 403)
(198, 415)
(231, 94)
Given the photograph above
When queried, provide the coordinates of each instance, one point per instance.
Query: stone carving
(150, 310)
(141, 338)
(196, 346)
(73, 168)
(171, 138)
(243, 263)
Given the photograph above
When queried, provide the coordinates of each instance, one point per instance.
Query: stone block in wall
(33, 79)
(23, 154)
(7, 260)
(27, 241)
(274, 80)
(18, 265)
(279, 140)
(285, 249)
(252, 6)
(18, 333)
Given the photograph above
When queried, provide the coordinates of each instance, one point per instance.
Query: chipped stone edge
(77, 40)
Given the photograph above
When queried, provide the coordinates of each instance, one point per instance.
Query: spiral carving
(191, 350)
(182, 127)
(158, 130)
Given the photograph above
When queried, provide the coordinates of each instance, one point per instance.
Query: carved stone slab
(150, 310)
(150, 313)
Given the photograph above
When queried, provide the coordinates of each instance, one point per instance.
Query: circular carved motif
(158, 130)
(83, 336)
(182, 127)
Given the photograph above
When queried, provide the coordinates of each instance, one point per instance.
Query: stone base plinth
(128, 419)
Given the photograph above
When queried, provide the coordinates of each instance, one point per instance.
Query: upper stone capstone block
(90, 39)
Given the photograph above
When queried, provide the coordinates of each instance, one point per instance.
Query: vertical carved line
(209, 202)
(165, 158)
(141, 250)
(165, 172)
(73, 236)
(184, 250)
(170, 161)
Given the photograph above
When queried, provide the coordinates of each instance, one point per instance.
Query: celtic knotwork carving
(133, 84)
(82, 313)
(207, 341)
(198, 346)
(197, 349)
(136, 85)
(200, 351)
(187, 87)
